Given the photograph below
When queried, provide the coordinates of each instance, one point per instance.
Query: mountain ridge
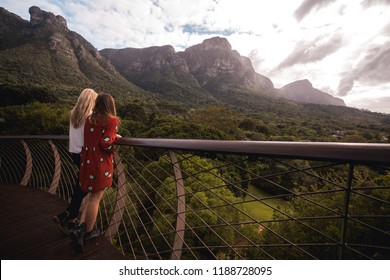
(304, 92)
(206, 72)
(210, 66)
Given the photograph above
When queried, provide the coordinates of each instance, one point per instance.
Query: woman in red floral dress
(97, 162)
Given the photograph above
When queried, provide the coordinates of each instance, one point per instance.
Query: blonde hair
(83, 107)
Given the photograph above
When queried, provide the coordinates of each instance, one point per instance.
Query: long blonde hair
(83, 107)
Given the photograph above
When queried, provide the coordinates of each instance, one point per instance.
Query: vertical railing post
(57, 169)
(120, 204)
(29, 165)
(181, 208)
(347, 198)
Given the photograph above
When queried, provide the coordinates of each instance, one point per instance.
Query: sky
(341, 46)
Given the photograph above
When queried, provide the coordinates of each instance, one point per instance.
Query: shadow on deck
(27, 230)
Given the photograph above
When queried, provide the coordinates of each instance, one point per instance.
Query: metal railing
(207, 199)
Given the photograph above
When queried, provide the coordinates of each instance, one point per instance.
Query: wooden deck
(27, 231)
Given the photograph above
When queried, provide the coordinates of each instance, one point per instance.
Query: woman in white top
(67, 220)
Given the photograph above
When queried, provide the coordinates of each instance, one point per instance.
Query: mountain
(207, 71)
(160, 70)
(42, 55)
(217, 67)
(43, 60)
(211, 68)
(303, 91)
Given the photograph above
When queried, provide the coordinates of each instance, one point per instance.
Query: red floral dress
(97, 163)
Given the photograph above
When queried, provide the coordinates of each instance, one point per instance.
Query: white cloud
(374, 99)
(316, 50)
(308, 5)
(373, 70)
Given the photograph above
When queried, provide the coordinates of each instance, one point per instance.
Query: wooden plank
(28, 232)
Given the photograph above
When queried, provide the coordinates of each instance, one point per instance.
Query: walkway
(27, 231)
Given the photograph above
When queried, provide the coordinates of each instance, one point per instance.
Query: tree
(175, 128)
(35, 119)
(365, 226)
(219, 117)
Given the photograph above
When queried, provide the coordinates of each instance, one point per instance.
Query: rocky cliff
(210, 67)
(201, 71)
(43, 53)
(216, 67)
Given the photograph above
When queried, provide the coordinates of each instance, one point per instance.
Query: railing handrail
(372, 153)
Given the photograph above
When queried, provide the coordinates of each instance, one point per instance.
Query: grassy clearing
(257, 209)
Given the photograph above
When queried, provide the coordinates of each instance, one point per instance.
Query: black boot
(92, 234)
(78, 238)
(75, 233)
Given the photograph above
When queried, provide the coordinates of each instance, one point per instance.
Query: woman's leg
(78, 194)
(75, 202)
(91, 210)
(65, 219)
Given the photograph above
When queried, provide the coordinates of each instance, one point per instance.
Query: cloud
(204, 30)
(308, 5)
(373, 69)
(369, 3)
(377, 104)
(255, 58)
(143, 23)
(316, 50)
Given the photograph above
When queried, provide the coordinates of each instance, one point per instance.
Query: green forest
(140, 118)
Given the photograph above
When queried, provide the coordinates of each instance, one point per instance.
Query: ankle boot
(92, 234)
(75, 233)
(78, 238)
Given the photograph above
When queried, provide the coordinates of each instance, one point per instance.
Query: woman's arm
(108, 135)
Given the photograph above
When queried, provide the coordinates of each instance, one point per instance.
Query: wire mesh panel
(247, 207)
(40, 163)
(12, 161)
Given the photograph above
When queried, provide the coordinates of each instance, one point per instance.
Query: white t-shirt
(76, 138)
